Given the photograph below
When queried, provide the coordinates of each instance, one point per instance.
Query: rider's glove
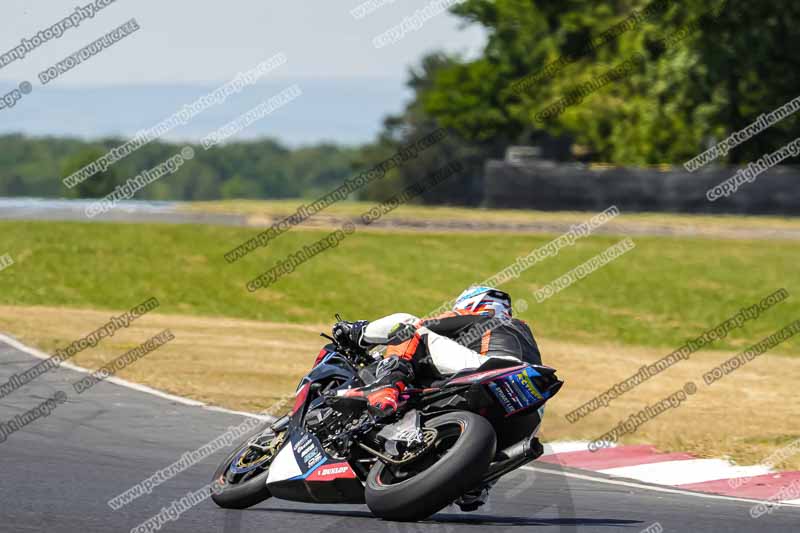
(383, 394)
(382, 400)
(392, 373)
(349, 334)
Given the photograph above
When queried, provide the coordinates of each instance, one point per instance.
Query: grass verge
(661, 293)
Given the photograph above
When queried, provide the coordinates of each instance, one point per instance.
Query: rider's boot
(475, 498)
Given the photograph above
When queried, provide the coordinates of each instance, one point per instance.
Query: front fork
(280, 424)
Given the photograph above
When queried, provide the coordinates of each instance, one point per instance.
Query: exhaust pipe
(513, 457)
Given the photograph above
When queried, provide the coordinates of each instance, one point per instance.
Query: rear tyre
(241, 490)
(464, 447)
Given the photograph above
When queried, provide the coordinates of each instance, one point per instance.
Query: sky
(189, 41)
(183, 49)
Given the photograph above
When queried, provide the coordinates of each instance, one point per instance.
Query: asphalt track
(57, 473)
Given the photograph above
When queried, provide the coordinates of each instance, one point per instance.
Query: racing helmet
(482, 299)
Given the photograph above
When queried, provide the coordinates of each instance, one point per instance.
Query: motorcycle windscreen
(303, 471)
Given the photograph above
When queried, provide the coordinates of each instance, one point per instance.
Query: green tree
(98, 185)
(239, 187)
(416, 121)
(715, 80)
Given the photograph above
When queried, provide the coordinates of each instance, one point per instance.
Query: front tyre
(464, 447)
(243, 474)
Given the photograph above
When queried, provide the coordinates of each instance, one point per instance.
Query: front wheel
(243, 474)
(461, 453)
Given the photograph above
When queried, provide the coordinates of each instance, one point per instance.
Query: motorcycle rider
(480, 327)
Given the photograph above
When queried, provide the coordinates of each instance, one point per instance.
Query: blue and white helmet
(482, 299)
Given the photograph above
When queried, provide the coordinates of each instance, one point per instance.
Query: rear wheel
(243, 474)
(461, 453)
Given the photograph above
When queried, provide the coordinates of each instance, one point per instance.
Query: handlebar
(358, 357)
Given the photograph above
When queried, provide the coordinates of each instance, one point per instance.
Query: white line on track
(554, 448)
(14, 343)
(686, 471)
(633, 484)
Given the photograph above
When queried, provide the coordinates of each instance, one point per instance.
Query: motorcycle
(439, 444)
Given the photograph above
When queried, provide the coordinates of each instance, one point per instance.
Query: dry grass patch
(240, 364)
(746, 416)
(245, 364)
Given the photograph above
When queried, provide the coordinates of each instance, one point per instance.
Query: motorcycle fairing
(302, 470)
(517, 388)
(478, 376)
(300, 455)
(284, 466)
(308, 452)
(330, 471)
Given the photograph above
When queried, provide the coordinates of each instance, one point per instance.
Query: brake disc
(268, 451)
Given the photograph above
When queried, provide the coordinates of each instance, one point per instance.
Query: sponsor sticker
(512, 395)
(528, 384)
(500, 395)
(522, 390)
